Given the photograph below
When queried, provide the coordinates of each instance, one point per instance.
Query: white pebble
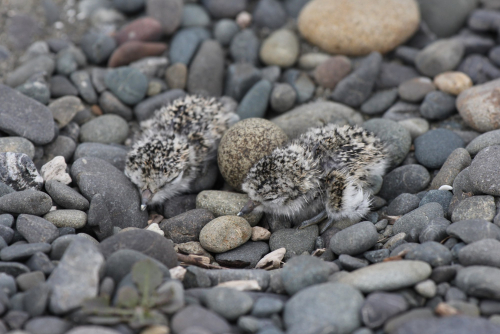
(445, 187)
(241, 285)
(177, 273)
(155, 228)
(55, 169)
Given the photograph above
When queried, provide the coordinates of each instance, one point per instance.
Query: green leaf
(147, 276)
(127, 297)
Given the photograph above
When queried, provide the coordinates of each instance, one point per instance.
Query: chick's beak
(146, 196)
(249, 207)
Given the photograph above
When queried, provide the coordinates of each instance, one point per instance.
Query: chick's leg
(314, 220)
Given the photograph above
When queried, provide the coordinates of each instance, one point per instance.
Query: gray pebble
(476, 207)
(431, 252)
(401, 111)
(245, 256)
(113, 154)
(479, 281)
(52, 324)
(414, 90)
(434, 231)
(393, 73)
(442, 197)
(186, 226)
(42, 63)
(473, 230)
(146, 108)
(283, 97)
(440, 56)
(489, 138)
(197, 316)
(37, 88)
(110, 104)
(206, 72)
(295, 241)
(67, 218)
(269, 14)
(240, 78)
(178, 205)
(105, 129)
(255, 102)
(23, 251)
(225, 30)
(303, 271)
(36, 229)
(300, 81)
(194, 16)
(127, 83)
(458, 160)
(97, 46)
(479, 68)
(418, 219)
(228, 303)
(431, 155)
(378, 307)
(379, 102)
(354, 239)
(60, 86)
(245, 47)
(376, 256)
(65, 108)
(404, 179)
(81, 80)
(17, 145)
(41, 262)
(437, 105)
(350, 263)
(484, 171)
(185, 43)
(403, 204)
(31, 202)
(62, 146)
(264, 307)
(483, 252)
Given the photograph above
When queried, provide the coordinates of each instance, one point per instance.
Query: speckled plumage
(328, 168)
(176, 145)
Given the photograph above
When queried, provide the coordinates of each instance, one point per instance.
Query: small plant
(141, 305)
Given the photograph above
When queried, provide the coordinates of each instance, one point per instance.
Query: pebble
(94, 176)
(244, 144)
(350, 263)
(376, 256)
(379, 307)
(479, 281)
(269, 14)
(65, 108)
(186, 226)
(484, 171)
(473, 230)
(229, 303)
(81, 80)
(35, 229)
(113, 154)
(22, 252)
(489, 138)
(426, 288)
(195, 316)
(357, 87)
(240, 78)
(355, 239)
(283, 97)
(431, 252)
(405, 179)
(128, 84)
(260, 234)
(401, 111)
(206, 72)
(418, 219)
(442, 197)
(223, 203)
(52, 324)
(145, 29)
(60, 86)
(27, 118)
(431, 155)
(319, 21)
(225, 233)
(303, 271)
(185, 43)
(441, 56)
(110, 104)
(310, 60)
(131, 51)
(395, 136)
(330, 304)
(42, 63)
(168, 13)
(457, 161)
(67, 218)
(479, 68)
(379, 102)
(224, 31)
(194, 16)
(146, 108)
(245, 47)
(403, 204)
(254, 103)
(452, 82)
(13, 268)
(462, 324)
(476, 207)
(97, 46)
(414, 90)
(17, 145)
(176, 76)
(31, 202)
(444, 18)
(7, 234)
(434, 231)
(480, 253)
(301, 118)
(265, 307)
(331, 71)
(281, 48)
(415, 126)
(392, 74)
(302, 84)
(294, 241)
(244, 256)
(37, 88)
(105, 129)
(92, 329)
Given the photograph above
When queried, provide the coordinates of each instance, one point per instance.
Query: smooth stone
(403, 204)
(110, 104)
(387, 276)
(269, 14)
(453, 82)
(302, 84)
(316, 114)
(396, 138)
(229, 303)
(244, 256)
(149, 243)
(97, 46)
(282, 98)
(132, 51)
(479, 281)
(457, 161)
(17, 145)
(185, 43)
(42, 63)
(30, 280)
(379, 102)
(40, 262)
(377, 255)
(484, 171)
(224, 31)
(225, 233)
(418, 219)
(331, 305)
(22, 252)
(65, 108)
(414, 90)
(441, 56)
(489, 138)
(327, 25)
(243, 145)
(416, 126)
(186, 226)
(13, 268)
(355, 239)
(115, 155)
(61, 149)
(380, 307)
(194, 316)
(92, 329)
(194, 16)
(47, 325)
(145, 29)
(206, 73)
(60, 86)
(431, 252)
(7, 234)
(476, 207)
(431, 155)
(31, 202)
(311, 60)
(357, 87)
(146, 108)
(105, 129)
(303, 271)
(480, 253)
(444, 18)
(223, 203)
(405, 179)
(245, 47)
(266, 306)
(25, 117)
(82, 82)
(442, 197)
(96, 176)
(392, 74)
(437, 105)
(401, 111)
(461, 324)
(255, 101)
(168, 13)
(294, 241)
(67, 218)
(128, 84)
(178, 205)
(36, 88)
(240, 78)
(271, 73)
(434, 231)
(331, 71)
(479, 68)
(281, 48)
(35, 229)
(176, 76)
(473, 230)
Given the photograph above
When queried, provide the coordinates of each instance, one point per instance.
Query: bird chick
(176, 146)
(342, 164)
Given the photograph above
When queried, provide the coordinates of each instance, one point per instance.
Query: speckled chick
(176, 146)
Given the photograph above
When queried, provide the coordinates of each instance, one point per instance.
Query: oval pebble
(484, 171)
(225, 233)
(105, 129)
(67, 218)
(431, 155)
(31, 202)
(354, 239)
(128, 84)
(281, 48)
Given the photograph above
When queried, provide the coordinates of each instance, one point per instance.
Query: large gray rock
(303, 271)
(474, 230)
(418, 219)
(113, 154)
(479, 281)
(485, 252)
(484, 171)
(76, 278)
(25, 117)
(96, 176)
(31, 202)
(206, 73)
(327, 305)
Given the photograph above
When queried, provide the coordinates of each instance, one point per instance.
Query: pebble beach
(77, 253)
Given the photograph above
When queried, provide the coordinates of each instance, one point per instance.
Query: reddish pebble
(131, 51)
(145, 29)
(331, 71)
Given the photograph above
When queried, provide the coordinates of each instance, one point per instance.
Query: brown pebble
(96, 110)
(134, 50)
(330, 72)
(176, 76)
(144, 29)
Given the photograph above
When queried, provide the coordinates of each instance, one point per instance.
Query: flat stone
(23, 251)
(97, 46)
(414, 90)
(303, 271)
(42, 63)
(295, 241)
(113, 154)
(31, 202)
(244, 256)
(354, 239)
(473, 230)
(479, 281)
(418, 219)
(440, 56)
(434, 156)
(110, 104)
(229, 303)
(489, 138)
(431, 252)
(36, 229)
(437, 105)
(66, 196)
(403, 204)
(47, 324)
(206, 72)
(197, 316)
(225, 233)
(380, 307)
(434, 231)
(405, 179)
(461, 324)
(13, 268)
(480, 253)
(186, 226)
(379, 102)
(476, 207)
(443, 18)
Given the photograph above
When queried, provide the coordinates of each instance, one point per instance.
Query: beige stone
(281, 48)
(357, 27)
(260, 234)
(225, 233)
(453, 82)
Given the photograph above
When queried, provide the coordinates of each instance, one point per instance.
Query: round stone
(358, 27)
(281, 48)
(431, 155)
(479, 281)
(416, 126)
(437, 105)
(440, 56)
(473, 230)
(225, 233)
(445, 18)
(67, 218)
(403, 204)
(283, 97)
(128, 84)
(143, 29)
(229, 303)
(453, 82)
(431, 252)
(475, 207)
(295, 241)
(331, 71)
(484, 172)
(303, 271)
(224, 31)
(355, 239)
(105, 129)
(484, 252)
(244, 144)
(414, 90)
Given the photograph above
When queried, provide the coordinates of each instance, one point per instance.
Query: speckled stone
(17, 145)
(67, 218)
(454, 164)
(475, 207)
(244, 144)
(225, 233)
